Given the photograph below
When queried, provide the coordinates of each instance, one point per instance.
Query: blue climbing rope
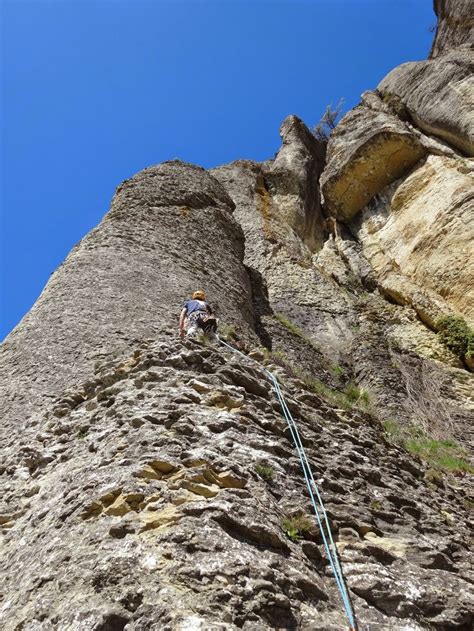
(315, 496)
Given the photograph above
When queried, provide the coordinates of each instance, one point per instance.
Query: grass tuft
(348, 398)
(295, 527)
(444, 455)
(228, 332)
(337, 371)
(266, 473)
(294, 329)
(288, 324)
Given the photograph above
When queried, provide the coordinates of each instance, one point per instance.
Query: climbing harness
(316, 500)
(204, 321)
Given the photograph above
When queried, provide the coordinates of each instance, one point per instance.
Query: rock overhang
(368, 150)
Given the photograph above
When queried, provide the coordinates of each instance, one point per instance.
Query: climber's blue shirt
(196, 305)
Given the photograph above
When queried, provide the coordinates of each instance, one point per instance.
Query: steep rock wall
(144, 507)
(169, 230)
(273, 247)
(455, 26)
(155, 492)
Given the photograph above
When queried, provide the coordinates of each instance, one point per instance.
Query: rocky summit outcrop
(151, 484)
(438, 96)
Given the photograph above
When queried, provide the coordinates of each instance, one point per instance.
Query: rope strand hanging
(315, 496)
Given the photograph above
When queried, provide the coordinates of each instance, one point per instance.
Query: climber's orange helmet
(199, 295)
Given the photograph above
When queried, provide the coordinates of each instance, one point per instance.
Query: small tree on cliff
(328, 121)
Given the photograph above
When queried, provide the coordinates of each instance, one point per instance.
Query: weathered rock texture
(455, 26)
(369, 149)
(438, 96)
(422, 232)
(292, 181)
(169, 230)
(160, 520)
(147, 483)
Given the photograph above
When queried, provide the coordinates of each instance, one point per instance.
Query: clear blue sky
(95, 90)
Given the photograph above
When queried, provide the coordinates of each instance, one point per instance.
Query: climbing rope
(315, 496)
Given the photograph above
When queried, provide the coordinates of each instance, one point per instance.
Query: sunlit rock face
(293, 181)
(151, 484)
(369, 149)
(438, 96)
(422, 231)
(455, 26)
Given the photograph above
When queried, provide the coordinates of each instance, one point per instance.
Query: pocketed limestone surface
(158, 496)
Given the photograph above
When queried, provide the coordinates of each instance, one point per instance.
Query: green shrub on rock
(266, 473)
(455, 333)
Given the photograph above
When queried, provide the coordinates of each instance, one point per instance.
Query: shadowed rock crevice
(261, 305)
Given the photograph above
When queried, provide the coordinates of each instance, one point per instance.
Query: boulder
(369, 149)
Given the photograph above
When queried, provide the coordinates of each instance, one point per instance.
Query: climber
(196, 315)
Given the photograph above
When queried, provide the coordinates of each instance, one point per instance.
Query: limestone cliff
(151, 484)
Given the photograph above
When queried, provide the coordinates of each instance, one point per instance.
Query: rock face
(422, 232)
(174, 480)
(455, 26)
(292, 181)
(169, 230)
(151, 484)
(369, 149)
(438, 96)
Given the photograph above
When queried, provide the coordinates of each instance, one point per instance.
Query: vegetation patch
(291, 326)
(393, 430)
(337, 370)
(444, 455)
(228, 332)
(356, 395)
(468, 504)
(346, 399)
(454, 332)
(296, 527)
(328, 122)
(294, 329)
(266, 473)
